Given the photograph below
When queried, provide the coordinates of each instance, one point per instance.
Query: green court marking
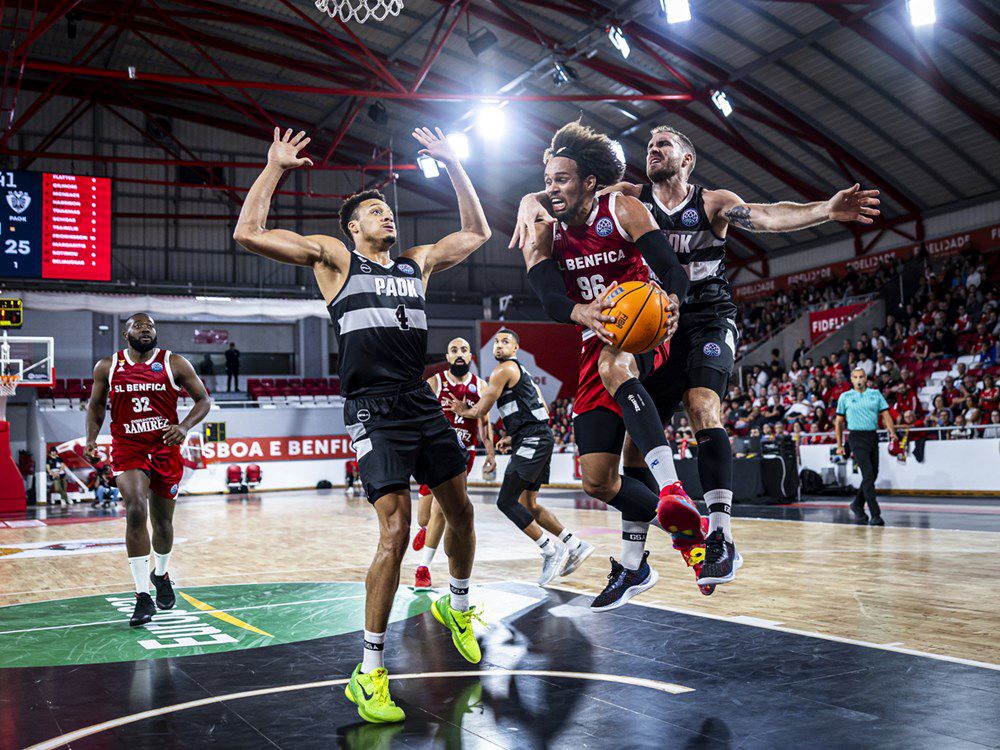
(95, 630)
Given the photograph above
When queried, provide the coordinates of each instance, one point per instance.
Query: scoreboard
(55, 226)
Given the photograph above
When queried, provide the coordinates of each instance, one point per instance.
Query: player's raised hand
(461, 408)
(854, 204)
(529, 211)
(436, 146)
(174, 434)
(593, 316)
(284, 151)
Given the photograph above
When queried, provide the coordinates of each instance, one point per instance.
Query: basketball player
(457, 382)
(695, 220)
(144, 383)
(377, 306)
(526, 419)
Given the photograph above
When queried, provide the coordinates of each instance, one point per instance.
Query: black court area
(553, 675)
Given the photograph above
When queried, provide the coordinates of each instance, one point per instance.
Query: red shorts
(162, 462)
(590, 390)
(425, 490)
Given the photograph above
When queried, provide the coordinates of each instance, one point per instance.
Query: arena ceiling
(823, 93)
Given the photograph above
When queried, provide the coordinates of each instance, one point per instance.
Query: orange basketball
(641, 316)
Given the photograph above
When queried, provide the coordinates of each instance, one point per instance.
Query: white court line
(883, 529)
(665, 687)
(739, 620)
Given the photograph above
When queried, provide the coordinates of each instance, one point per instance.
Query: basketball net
(360, 10)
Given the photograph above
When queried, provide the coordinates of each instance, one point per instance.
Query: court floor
(852, 634)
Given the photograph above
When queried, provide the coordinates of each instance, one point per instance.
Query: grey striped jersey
(380, 326)
(522, 407)
(698, 248)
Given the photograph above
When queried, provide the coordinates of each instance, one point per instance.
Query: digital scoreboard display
(55, 226)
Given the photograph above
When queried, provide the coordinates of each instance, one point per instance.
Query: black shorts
(401, 434)
(531, 456)
(702, 355)
(599, 430)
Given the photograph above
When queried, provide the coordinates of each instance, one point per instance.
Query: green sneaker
(370, 693)
(460, 625)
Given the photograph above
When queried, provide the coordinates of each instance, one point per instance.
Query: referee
(859, 408)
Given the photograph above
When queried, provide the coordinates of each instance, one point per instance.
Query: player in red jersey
(143, 383)
(601, 241)
(454, 383)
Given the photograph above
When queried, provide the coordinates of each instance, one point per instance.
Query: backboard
(30, 358)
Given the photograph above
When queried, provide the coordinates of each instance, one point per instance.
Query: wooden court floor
(923, 589)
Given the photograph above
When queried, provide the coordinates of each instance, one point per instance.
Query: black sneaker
(165, 598)
(144, 610)
(858, 511)
(876, 521)
(624, 584)
(721, 560)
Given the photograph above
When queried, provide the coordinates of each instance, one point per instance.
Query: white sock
(660, 461)
(719, 504)
(633, 543)
(567, 538)
(459, 593)
(545, 545)
(374, 645)
(160, 562)
(140, 573)
(427, 556)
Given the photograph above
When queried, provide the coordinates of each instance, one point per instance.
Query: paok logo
(18, 200)
(689, 218)
(604, 227)
(156, 367)
(364, 415)
(712, 350)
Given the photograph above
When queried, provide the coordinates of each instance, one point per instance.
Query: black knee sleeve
(715, 459)
(635, 501)
(644, 475)
(641, 418)
(507, 501)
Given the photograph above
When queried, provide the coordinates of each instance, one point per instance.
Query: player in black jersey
(526, 420)
(395, 422)
(703, 350)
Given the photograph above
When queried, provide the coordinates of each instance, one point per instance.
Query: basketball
(641, 316)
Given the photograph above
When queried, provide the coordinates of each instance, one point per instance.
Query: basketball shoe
(423, 582)
(165, 598)
(553, 562)
(721, 560)
(460, 625)
(370, 693)
(420, 538)
(576, 557)
(676, 512)
(623, 584)
(144, 610)
(692, 549)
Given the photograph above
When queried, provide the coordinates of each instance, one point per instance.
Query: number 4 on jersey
(404, 324)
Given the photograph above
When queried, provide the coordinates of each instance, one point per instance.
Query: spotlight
(619, 151)
(428, 166)
(618, 40)
(481, 40)
(131, 72)
(491, 121)
(460, 142)
(921, 12)
(721, 103)
(563, 73)
(378, 114)
(677, 11)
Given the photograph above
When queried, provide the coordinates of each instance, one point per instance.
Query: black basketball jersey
(521, 407)
(380, 326)
(698, 248)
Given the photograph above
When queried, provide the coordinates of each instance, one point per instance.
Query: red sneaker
(676, 512)
(420, 538)
(423, 579)
(692, 549)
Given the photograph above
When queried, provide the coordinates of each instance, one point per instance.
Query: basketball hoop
(360, 10)
(8, 385)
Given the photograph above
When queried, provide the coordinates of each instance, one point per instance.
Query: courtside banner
(550, 351)
(313, 447)
(985, 239)
(825, 322)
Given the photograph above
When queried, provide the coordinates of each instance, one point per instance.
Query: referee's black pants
(864, 448)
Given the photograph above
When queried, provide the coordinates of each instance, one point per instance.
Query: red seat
(234, 474)
(253, 474)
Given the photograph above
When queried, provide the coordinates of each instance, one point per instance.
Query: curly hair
(349, 210)
(593, 153)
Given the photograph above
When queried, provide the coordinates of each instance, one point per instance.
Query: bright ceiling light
(619, 151)
(460, 142)
(922, 12)
(721, 103)
(429, 167)
(677, 11)
(491, 121)
(618, 40)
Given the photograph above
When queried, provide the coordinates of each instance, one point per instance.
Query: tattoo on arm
(740, 216)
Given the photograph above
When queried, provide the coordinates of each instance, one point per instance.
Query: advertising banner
(550, 351)
(825, 322)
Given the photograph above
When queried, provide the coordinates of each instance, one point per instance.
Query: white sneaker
(552, 564)
(576, 557)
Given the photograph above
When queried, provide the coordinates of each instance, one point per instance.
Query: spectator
(57, 477)
(800, 351)
(993, 426)
(865, 363)
(105, 492)
(989, 397)
(961, 431)
(206, 368)
(232, 367)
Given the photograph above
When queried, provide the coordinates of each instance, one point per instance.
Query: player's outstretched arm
(186, 378)
(97, 407)
(486, 430)
(281, 244)
(535, 207)
(457, 246)
(503, 375)
(851, 204)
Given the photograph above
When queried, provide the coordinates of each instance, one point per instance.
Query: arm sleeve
(841, 407)
(547, 283)
(656, 251)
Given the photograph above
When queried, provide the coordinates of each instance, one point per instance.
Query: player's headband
(567, 153)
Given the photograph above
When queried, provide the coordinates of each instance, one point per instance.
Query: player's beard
(141, 346)
(663, 171)
(460, 369)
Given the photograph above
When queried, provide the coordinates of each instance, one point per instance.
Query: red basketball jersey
(143, 398)
(446, 388)
(593, 255)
